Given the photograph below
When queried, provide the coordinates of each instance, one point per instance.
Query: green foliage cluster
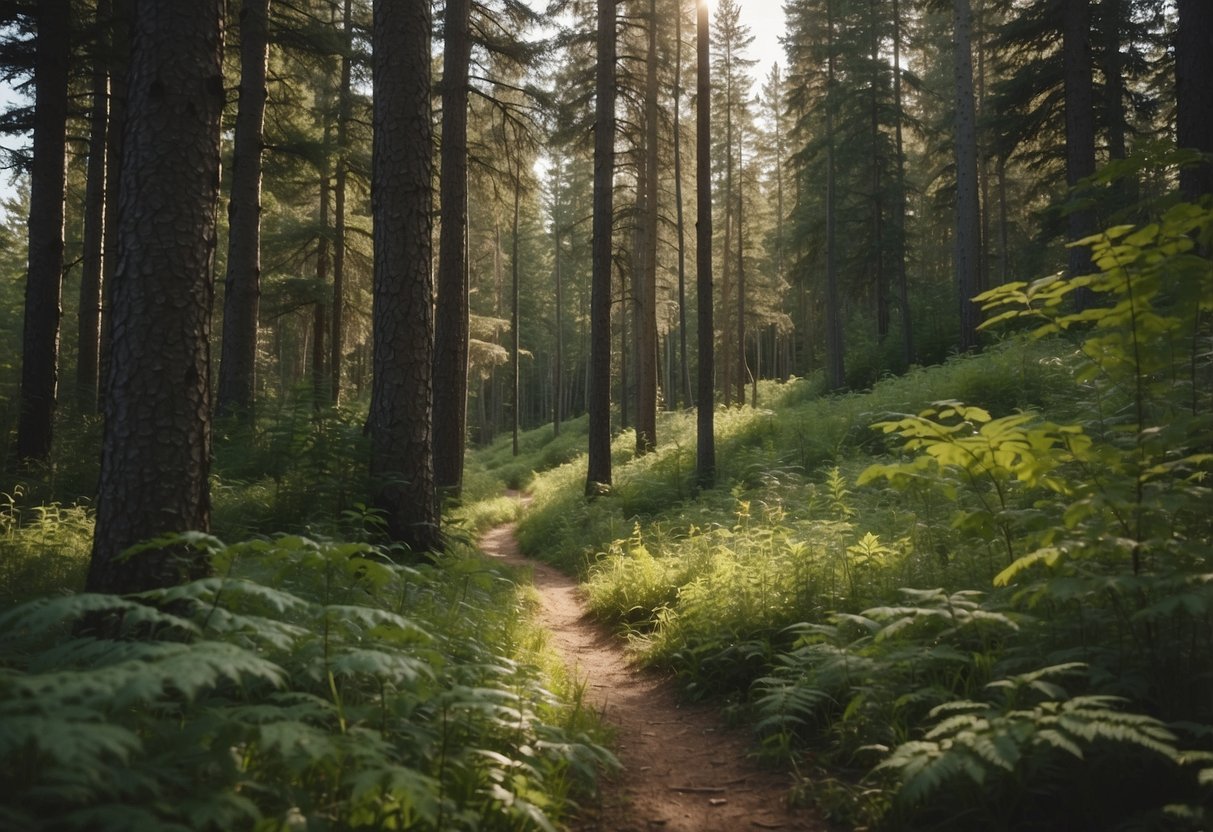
(45, 547)
(1059, 647)
(309, 684)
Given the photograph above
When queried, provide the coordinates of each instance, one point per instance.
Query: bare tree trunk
(835, 374)
(118, 54)
(515, 400)
(705, 444)
(598, 472)
(402, 173)
(899, 210)
(44, 282)
(337, 339)
(743, 369)
(88, 331)
(684, 372)
(1193, 71)
(242, 295)
(646, 289)
(558, 359)
(1080, 123)
(155, 458)
(968, 220)
(451, 317)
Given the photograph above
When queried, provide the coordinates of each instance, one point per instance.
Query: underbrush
(979, 594)
(309, 684)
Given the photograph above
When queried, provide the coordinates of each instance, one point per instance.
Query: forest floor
(683, 769)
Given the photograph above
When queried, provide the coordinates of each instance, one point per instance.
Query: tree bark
(598, 472)
(88, 329)
(899, 210)
(403, 318)
(155, 458)
(451, 317)
(835, 362)
(337, 337)
(684, 372)
(1193, 77)
(705, 442)
(242, 286)
(1080, 123)
(44, 281)
(646, 300)
(968, 216)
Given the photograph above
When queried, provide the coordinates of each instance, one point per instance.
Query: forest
(863, 390)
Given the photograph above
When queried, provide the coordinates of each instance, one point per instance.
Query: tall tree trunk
(1193, 71)
(337, 338)
(899, 209)
(684, 371)
(705, 442)
(1080, 123)
(155, 457)
(451, 318)
(88, 330)
(743, 369)
(323, 264)
(880, 299)
(558, 358)
(646, 290)
(968, 219)
(242, 295)
(727, 361)
(835, 363)
(403, 317)
(598, 472)
(118, 55)
(515, 320)
(44, 282)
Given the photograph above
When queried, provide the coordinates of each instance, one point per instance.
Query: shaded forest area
(871, 399)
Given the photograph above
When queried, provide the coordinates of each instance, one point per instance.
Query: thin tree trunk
(646, 300)
(558, 359)
(684, 372)
(88, 331)
(451, 319)
(155, 458)
(242, 287)
(1080, 124)
(337, 339)
(515, 400)
(44, 282)
(705, 443)
(743, 370)
(899, 210)
(598, 472)
(968, 220)
(879, 284)
(118, 53)
(835, 374)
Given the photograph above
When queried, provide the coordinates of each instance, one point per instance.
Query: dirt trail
(683, 770)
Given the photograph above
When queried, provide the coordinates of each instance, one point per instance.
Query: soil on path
(683, 769)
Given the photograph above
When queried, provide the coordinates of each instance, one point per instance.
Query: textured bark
(646, 290)
(337, 339)
(899, 208)
(743, 368)
(684, 371)
(1193, 79)
(558, 358)
(515, 345)
(118, 55)
(705, 441)
(1080, 122)
(835, 363)
(403, 318)
(968, 210)
(242, 286)
(88, 321)
(451, 324)
(598, 472)
(155, 457)
(44, 281)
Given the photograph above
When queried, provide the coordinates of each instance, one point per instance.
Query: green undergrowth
(309, 685)
(977, 596)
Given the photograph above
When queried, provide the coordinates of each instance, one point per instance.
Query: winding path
(683, 770)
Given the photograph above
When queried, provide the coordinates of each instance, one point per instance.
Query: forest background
(998, 597)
